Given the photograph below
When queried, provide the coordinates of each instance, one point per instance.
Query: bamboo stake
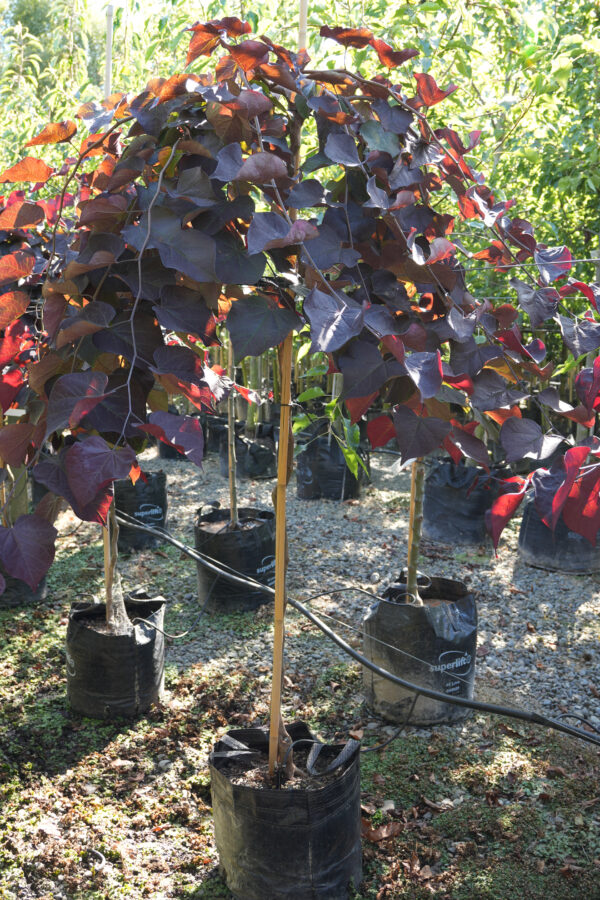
(277, 732)
(417, 490)
(19, 504)
(110, 561)
(280, 549)
(302, 28)
(233, 507)
(109, 45)
(276, 395)
(411, 512)
(5, 520)
(107, 568)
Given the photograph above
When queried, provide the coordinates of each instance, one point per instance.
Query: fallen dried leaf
(443, 805)
(390, 829)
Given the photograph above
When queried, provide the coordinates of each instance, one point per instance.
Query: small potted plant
(86, 390)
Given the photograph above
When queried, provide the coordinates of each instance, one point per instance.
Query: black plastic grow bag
(17, 593)
(455, 502)
(560, 551)
(214, 429)
(286, 844)
(167, 451)
(321, 471)
(145, 501)
(115, 675)
(436, 645)
(250, 551)
(254, 458)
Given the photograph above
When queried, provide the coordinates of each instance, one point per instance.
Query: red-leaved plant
(188, 210)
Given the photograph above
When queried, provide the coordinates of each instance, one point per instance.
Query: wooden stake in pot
(279, 740)
(417, 491)
(233, 508)
(284, 461)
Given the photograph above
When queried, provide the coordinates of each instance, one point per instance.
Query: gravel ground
(538, 631)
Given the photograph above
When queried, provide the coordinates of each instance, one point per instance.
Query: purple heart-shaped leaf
(418, 435)
(27, 549)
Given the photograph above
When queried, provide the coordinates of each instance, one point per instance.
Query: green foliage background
(527, 73)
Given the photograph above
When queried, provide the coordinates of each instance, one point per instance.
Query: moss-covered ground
(104, 810)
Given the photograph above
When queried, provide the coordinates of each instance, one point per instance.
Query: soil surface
(491, 809)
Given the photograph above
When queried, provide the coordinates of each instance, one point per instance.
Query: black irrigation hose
(480, 706)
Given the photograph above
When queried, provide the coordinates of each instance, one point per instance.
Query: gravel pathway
(538, 631)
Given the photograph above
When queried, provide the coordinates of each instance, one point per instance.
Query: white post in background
(110, 11)
(302, 26)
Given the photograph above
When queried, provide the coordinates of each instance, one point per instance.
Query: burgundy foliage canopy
(181, 209)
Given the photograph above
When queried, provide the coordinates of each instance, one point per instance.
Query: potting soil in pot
(287, 843)
(433, 645)
(455, 502)
(249, 549)
(561, 550)
(145, 501)
(115, 674)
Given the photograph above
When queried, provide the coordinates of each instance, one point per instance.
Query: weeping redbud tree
(264, 195)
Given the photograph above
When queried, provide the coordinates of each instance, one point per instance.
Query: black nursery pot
(145, 501)
(286, 844)
(249, 550)
(214, 428)
(455, 502)
(254, 458)
(436, 645)
(115, 674)
(17, 593)
(166, 451)
(560, 551)
(321, 472)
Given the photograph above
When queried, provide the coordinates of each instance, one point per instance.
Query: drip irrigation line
(90, 851)
(364, 634)
(480, 706)
(398, 650)
(579, 719)
(397, 732)
(176, 637)
(489, 708)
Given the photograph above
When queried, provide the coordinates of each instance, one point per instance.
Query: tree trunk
(116, 615)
